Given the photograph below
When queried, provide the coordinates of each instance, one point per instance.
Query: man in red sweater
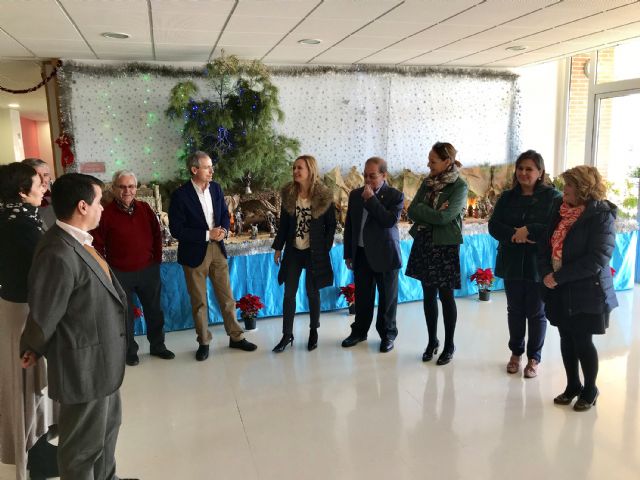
(129, 237)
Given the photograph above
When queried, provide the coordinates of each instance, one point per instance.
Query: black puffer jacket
(517, 261)
(321, 232)
(585, 284)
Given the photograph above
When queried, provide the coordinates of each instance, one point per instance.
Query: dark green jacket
(517, 261)
(445, 224)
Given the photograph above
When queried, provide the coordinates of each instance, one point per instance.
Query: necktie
(101, 261)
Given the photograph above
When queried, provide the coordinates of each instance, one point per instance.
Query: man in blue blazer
(372, 251)
(199, 219)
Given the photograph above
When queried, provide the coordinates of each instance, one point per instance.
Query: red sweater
(129, 242)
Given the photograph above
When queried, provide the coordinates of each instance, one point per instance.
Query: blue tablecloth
(257, 274)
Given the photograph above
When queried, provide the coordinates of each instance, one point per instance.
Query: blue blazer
(380, 235)
(188, 225)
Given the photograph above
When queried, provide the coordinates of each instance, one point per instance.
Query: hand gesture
(276, 256)
(29, 359)
(549, 281)
(367, 193)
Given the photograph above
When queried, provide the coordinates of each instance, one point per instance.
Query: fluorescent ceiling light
(13, 105)
(517, 48)
(310, 41)
(117, 35)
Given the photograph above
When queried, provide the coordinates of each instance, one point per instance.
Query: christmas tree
(235, 125)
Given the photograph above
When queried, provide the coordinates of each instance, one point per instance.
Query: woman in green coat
(437, 211)
(520, 219)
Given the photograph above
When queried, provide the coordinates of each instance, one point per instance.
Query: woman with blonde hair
(574, 264)
(307, 227)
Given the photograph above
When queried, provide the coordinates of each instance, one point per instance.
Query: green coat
(517, 261)
(446, 225)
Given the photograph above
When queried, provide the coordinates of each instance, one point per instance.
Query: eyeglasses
(125, 187)
(371, 176)
(207, 167)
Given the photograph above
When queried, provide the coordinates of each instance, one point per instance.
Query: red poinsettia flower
(613, 271)
(249, 305)
(137, 312)
(483, 277)
(349, 293)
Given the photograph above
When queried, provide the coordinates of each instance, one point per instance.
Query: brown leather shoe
(531, 370)
(514, 364)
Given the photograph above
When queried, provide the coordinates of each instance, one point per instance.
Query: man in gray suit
(77, 321)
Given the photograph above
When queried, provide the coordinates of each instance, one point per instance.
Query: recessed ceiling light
(13, 105)
(310, 41)
(117, 35)
(517, 48)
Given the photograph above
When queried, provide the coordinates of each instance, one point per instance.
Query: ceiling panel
(10, 48)
(375, 31)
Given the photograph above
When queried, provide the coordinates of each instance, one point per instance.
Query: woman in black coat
(520, 219)
(574, 263)
(25, 410)
(307, 227)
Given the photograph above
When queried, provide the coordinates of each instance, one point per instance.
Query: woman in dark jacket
(25, 410)
(574, 264)
(307, 227)
(436, 211)
(520, 219)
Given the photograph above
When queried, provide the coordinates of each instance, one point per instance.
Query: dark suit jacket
(188, 225)
(380, 234)
(76, 320)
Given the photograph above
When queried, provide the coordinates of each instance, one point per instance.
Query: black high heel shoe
(582, 405)
(566, 397)
(284, 341)
(430, 351)
(313, 339)
(446, 356)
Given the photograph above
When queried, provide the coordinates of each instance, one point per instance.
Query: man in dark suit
(77, 315)
(372, 250)
(199, 219)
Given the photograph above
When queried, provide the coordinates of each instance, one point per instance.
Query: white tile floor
(357, 414)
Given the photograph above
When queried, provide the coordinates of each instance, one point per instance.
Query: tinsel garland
(263, 245)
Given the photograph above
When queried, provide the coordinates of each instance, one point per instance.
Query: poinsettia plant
(349, 293)
(613, 270)
(249, 306)
(484, 278)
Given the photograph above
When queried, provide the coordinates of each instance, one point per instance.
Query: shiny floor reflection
(354, 413)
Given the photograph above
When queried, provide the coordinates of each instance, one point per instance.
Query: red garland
(64, 142)
(483, 277)
(349, 293)
(249, 305)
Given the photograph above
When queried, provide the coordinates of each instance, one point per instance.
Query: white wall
(539, 98)
(44, 142)
(11, 147)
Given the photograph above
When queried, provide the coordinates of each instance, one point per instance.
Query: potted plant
(349, 294)
(484, 279)
(249, 306)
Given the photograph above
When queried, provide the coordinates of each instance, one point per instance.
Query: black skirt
(434, 265)
(589, 323)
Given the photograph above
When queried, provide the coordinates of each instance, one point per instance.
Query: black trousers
(146, 285)
(366, 282)
(525, 306)
(296, 261)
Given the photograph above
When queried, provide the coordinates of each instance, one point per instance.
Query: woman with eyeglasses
(25, 409)
(307, 227)
(437, 211)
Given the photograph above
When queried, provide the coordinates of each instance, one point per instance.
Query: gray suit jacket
(76, 319)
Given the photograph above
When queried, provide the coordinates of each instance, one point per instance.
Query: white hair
(123, 173)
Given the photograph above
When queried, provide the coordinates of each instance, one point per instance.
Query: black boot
(313, 339)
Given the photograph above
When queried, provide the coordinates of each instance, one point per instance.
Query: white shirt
(207, 206)
(78, 234)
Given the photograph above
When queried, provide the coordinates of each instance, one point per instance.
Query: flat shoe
(243, 344)
(514, 364)
(531, 370)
